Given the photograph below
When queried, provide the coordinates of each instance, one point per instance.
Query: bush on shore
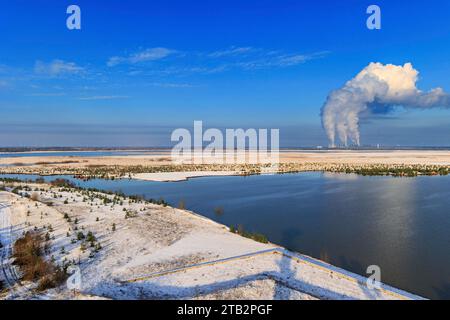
(251, 235)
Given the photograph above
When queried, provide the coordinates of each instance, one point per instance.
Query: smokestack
(376, 89)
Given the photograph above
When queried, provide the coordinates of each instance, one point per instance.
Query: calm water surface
(399, 224)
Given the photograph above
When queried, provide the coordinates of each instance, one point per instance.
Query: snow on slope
(154, 239)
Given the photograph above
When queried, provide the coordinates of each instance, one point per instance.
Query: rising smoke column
(376, 89)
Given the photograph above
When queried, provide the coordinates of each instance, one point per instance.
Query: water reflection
(399, 224)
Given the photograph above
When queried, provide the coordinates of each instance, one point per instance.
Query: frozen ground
(159, 252)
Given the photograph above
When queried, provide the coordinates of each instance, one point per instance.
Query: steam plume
(376, 89)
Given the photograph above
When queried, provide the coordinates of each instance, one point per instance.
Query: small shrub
(64, 183)
(90, 237)
(52, 280)
(80, 235)
(251, 235)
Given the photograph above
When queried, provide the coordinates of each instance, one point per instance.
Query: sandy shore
(157, 168)
(180, 176)
(161, 252)
(351, 157)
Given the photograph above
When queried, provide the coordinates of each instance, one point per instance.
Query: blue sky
(138, 69)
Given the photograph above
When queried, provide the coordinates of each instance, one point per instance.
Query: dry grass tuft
(34, 196)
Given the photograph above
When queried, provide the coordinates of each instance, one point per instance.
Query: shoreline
(176, 173)
(147, 167)
(180, 176)
(191, 230)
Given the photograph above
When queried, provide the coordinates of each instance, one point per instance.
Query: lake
(80, 153)
(400, 224)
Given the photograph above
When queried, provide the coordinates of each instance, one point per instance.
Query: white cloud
(150, 54)
(233, 51)
(57, 68)
(171, 85)
(275, 59)
(103, 98)
(374, 91)
(246, 58)
(50, 94)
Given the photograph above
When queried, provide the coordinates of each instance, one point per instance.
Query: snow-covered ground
(6, 243)
(159, 252)
(9, 232)
(180, 176)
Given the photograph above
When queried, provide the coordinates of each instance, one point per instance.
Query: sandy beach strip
(425, 157)
(180, 176)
